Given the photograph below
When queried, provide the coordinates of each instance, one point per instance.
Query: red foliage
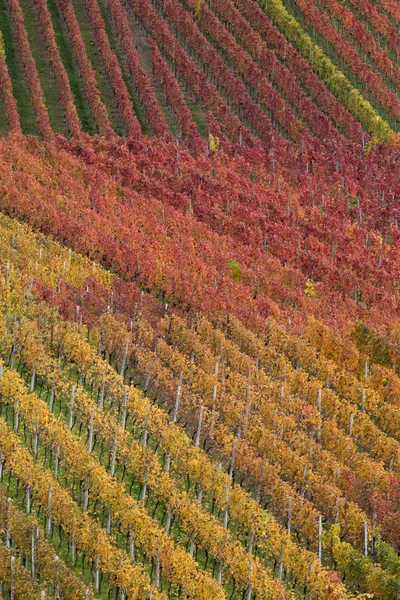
(372, 80)
(9, 101)
(177, 101)
(300, 69)
(153, 111)
(31, 74)
(60, 74)
(92, 92)
(113, 71)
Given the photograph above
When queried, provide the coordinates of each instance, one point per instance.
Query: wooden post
(56, 594)
(8, 536)
(198, 432)
(97, 575)
(13, 352)
(73, 546)
(233, 453)
(71, 406)
(123, 365)
(215, 388)
(145, 433)
(167, 463)
(101, 399)
(48, 526)
(12, 568)
(157, 581)
(113, 454)
(28, 499)
(249, 584)
(219, 577)
(16, 417)
(51, 398)
(33, 379)
(124, 409)
(289, 523)
(86, 499)
(251, 541)
(33, 553)
(178, 397)
(36, 440)
(281, 566)
(200, 493)
(226, 513)
(319, 538)
(56, 461)
(90, 439)
(351, 424)
(191, 551)
(169, 515)
(147, 382)
(144, 488)
(109, 522)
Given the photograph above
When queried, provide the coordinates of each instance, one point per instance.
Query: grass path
(43, 65)
(117, 47)
(94, 56)
(75, 80)
(196, 107)
(139, 37)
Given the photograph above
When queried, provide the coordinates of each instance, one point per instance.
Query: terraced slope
(285, 88)
(284, 444)
(199, 300)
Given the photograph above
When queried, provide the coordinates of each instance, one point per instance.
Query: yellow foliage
(198, 4)
(394, 140)
(309, 289)
(214, 142)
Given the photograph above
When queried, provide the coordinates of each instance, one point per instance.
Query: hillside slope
(200, 283)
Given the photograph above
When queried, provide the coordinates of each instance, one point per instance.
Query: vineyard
(199, 300)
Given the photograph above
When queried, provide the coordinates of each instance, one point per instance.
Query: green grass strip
(43, 65)
(125, 73)
(67, 57)
(94, 56)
